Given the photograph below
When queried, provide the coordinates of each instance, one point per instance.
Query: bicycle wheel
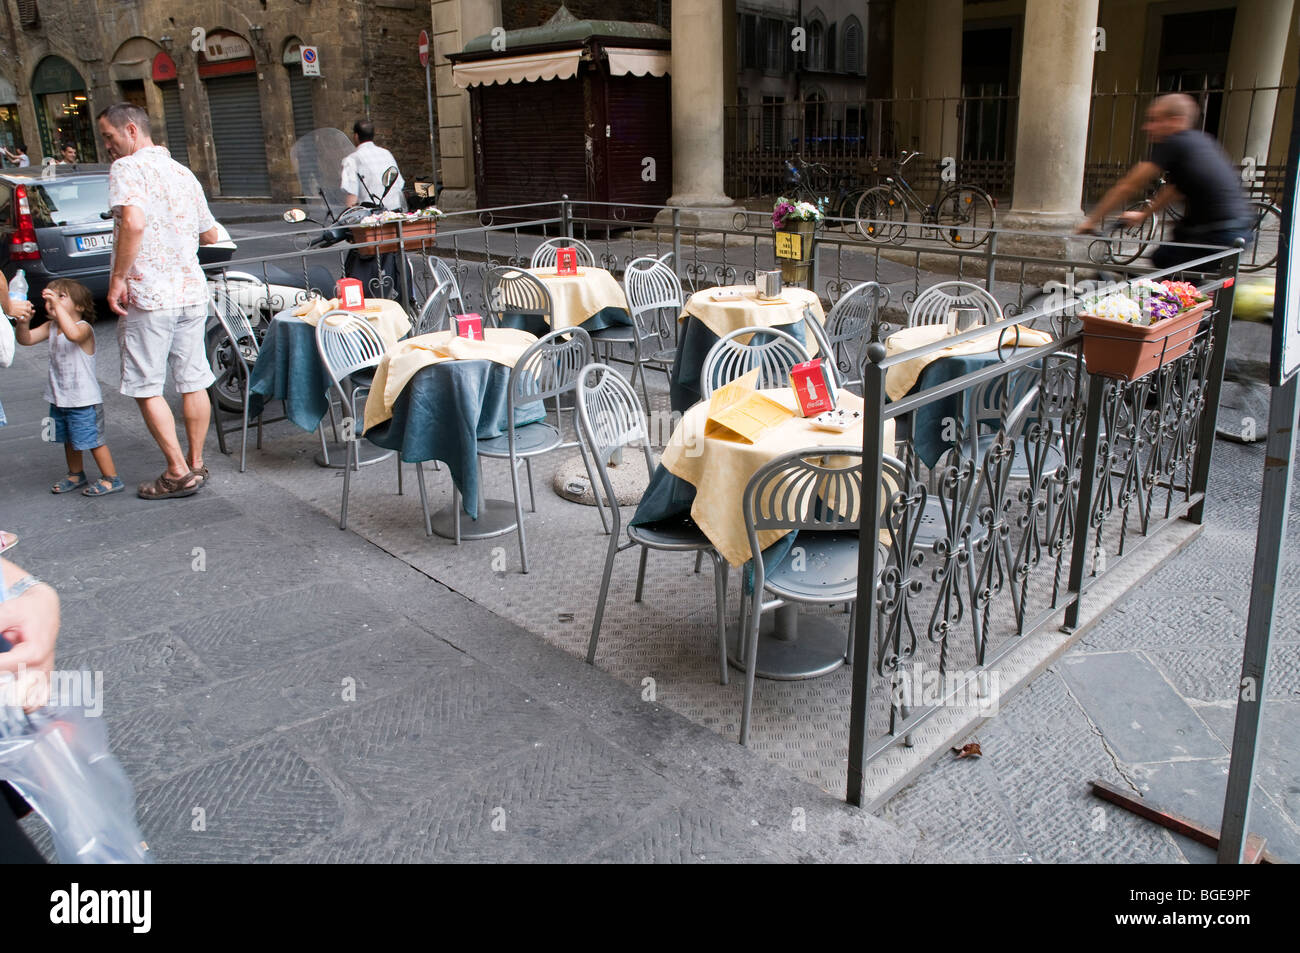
(964, 216)
(1129, 243)
(1265, 237)
(881, 214)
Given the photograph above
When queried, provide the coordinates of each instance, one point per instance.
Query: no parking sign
(310, 61)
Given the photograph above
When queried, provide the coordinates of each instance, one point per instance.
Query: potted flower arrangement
(797, 220)
(382, 227)
(1130, 332)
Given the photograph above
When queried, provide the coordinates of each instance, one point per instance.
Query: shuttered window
(300, 88)
(237, 135)
(174, 118)
(852, 46)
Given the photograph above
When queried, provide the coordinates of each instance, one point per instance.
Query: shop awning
(517, 69)
(624, 60)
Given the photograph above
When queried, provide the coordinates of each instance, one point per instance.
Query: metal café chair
(547, 369)
(654, 300)
(433, 315)
(348, 347)
(544, 254)
(933, 304)
(443, 274)
(853, 323)
(610, 418)
(799, 491)
(730, 359)
(509, 290)
(244, 351)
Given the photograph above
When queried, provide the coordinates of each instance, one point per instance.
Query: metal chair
(852, 324)
(348, 346)
(433, 316)
(442, 274)
(655, 302)
(245, 350)
(729, 359)
(611, 418)
(932, 305)
(547, 369)
(512, 291)
(544, 254)
(799, 491)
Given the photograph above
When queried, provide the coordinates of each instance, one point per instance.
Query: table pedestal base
(333, 457)
(793, 646)
(495, 518)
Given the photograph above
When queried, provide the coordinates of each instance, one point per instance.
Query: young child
(73, 390)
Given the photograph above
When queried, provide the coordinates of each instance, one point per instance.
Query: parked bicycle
(962, 214)
(812, 182)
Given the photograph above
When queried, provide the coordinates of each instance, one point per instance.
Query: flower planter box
(413, 232)
(795, 267)
(1129, 351)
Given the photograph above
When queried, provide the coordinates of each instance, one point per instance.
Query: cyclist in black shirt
(1195, 169)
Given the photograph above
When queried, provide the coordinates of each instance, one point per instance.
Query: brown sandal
(165, 488)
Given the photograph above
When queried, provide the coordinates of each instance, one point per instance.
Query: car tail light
(23, 245)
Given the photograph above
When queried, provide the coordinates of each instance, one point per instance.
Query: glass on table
(963, 319)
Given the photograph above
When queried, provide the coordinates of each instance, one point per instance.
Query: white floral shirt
(166, 272)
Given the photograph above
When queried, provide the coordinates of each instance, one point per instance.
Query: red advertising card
(469, 326)
(813, 387)
(566, 261)
(350, 294)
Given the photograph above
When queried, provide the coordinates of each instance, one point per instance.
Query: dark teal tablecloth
(533, 324)
(289, 368)
(684, 390)
(442, 413)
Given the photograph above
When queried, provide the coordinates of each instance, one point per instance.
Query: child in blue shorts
(76, 405)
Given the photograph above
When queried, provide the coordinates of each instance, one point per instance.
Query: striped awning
(517, 69)
(625, 60)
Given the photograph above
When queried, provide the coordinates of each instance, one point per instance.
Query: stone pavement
(280, 691)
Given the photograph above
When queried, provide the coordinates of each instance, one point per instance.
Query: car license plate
(94, 242)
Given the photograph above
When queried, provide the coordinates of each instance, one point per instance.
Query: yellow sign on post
(789, 246)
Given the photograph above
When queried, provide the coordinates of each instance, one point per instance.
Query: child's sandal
(73, 481)
(104, 486)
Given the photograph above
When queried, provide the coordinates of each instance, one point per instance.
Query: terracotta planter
(1129, 351)
(413, 232)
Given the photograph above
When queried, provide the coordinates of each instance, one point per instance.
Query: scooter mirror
(294, 215)
(390, 176)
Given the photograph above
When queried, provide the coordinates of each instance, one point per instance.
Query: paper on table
(901, 378)
(737, 410)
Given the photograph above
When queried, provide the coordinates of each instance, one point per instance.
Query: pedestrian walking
(158, 289)
(76, 404)
(1196, 169)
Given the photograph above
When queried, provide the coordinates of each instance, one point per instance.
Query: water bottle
(18, 286)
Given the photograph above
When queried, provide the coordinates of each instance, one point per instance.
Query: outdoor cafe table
(705, 477)
(704, 321)
(592, 300)
(289, 367)
(434, 397)
(939, 367)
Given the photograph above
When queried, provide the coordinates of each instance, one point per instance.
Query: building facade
(223, 80)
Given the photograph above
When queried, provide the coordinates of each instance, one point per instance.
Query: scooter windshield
(318, 160)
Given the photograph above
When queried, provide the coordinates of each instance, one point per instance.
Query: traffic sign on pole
(310, 61)
(424, 48)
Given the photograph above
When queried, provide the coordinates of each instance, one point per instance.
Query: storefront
(63, 110)
(229, 75)
(11, 130)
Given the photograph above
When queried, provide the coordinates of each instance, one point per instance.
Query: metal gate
(174, 118)
(237, 135)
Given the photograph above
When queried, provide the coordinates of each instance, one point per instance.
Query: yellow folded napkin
(901, 378)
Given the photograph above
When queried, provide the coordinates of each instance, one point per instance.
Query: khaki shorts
(153, 341)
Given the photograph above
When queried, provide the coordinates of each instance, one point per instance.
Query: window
(772, 122)
(749, 41)
(75, 202)
(852, 46)
(776, 45)
(816, 45)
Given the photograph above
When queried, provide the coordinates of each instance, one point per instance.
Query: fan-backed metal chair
(933, 304)
(547, 369)
(350, 346)
(513, 291)
(433, 315)
(544, 254)
(442, 274)
(803, 492)
(852, 324)
(611, 418)
(730, 358)
(655, 301)
(244, 352)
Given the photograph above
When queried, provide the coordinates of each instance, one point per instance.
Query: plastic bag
(58, 760)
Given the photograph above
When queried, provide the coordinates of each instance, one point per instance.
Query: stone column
(941, 80)
(698, 83)
(1259, 38)
(455, 23)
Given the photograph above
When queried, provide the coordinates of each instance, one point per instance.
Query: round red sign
(424, 48)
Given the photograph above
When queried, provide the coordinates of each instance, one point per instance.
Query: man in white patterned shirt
(159, 290)
(362, 175)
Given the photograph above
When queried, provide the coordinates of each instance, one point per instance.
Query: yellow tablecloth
(720, 469)
(723, 317)
(386, 315)
(401, 362)
(575, 298)
(901, 378)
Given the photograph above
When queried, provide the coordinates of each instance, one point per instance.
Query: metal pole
(433, 137)
(1269, 543)
(1091, 471)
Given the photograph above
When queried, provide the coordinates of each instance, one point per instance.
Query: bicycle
(1128, 243)
(811, 182)
(962, 214)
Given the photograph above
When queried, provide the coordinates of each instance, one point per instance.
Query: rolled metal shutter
(300, 102)
(175, 120)
(237, 135)
(533, 142)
